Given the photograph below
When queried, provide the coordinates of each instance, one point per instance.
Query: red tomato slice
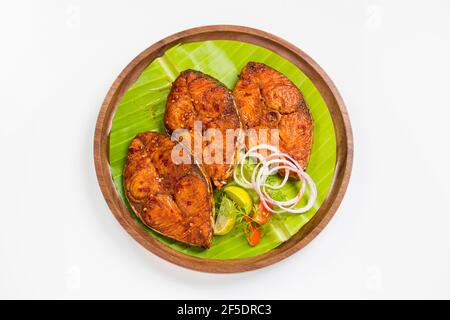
(261, 217)
(262, 208)
(253, 235)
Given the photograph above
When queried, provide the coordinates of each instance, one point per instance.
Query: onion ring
(270, 165)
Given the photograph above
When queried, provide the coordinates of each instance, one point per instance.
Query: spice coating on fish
(175, 200)
(195, 96)
(267, 99)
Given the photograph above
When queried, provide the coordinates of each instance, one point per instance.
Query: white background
(389, 239)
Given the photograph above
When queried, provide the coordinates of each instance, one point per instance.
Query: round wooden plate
(344, 144)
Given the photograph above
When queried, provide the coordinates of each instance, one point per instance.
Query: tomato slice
(261, 217)
(262, 208)
(253, 235)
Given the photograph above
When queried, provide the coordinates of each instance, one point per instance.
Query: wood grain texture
(341, 122)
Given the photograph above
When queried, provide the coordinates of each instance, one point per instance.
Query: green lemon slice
(240, 196)
(226, 218)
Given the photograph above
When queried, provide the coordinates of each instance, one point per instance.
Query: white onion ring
(251, 153)
(268, 166)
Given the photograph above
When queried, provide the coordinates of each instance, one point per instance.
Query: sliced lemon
(240, 196)
(226, 218)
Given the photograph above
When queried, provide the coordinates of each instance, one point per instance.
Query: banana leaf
(142, 109)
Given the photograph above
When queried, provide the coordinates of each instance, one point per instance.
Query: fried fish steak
(175, 200)
(195, 96)
(266, 99)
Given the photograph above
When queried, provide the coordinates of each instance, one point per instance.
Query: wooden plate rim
(344, 142)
